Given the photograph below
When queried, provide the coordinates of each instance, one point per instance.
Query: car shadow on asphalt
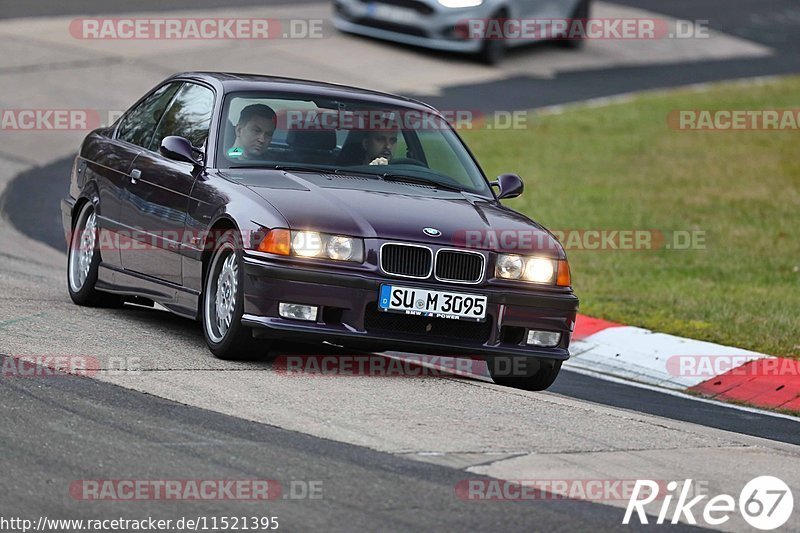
(317, 359)
(512, 53)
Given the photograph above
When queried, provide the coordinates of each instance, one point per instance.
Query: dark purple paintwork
(171, 195)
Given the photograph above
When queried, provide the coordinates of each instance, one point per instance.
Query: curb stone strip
(642, 355)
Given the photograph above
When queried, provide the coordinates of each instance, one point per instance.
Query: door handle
(135, 175)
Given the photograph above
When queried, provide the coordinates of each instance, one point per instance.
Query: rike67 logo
(766, 503)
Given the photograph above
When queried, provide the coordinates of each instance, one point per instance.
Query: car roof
(230, 82)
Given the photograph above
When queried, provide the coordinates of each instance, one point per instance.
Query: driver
(253, 132)
(379, 146)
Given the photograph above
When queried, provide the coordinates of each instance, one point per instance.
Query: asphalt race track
(363, 489)
(26, 200)
(389, 453)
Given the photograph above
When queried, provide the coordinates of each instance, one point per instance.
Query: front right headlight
(533, 269)
(341, 248)
(510, 266)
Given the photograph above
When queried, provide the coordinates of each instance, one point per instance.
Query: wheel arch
(89, 194)
(216, 229)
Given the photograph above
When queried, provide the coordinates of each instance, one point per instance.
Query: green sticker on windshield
(235, 152)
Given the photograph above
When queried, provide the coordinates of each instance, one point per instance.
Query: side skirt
(180, 300)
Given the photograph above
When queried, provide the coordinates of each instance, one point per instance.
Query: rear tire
(581, 13)
(83, 263)
(492, 52)
(538, 378)
(223, 304)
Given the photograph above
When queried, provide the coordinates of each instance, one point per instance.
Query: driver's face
(379, 144)
(255, 136)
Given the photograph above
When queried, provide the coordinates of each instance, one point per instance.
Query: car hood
(371, 208)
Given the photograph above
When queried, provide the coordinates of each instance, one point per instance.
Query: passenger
(253, 132)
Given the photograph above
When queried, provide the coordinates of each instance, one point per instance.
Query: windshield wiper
(302, 168)
(335, 171)
(287, 168)
(420, 181)
(387, 176)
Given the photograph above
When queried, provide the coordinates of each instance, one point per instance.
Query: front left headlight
(313, 244)
(341, 248)
(542, 270)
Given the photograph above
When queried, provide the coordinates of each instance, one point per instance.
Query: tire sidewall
(87, 291)
(540, 380)
(236, 331)
(494, 51)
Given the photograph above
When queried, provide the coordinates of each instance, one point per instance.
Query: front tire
(538, 377)
(493, 50)
(83, 262)
(223, 303)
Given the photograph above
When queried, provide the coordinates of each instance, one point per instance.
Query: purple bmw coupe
(272, 208)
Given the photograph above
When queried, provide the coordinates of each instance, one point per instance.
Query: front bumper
(348, 314)
(433, 30)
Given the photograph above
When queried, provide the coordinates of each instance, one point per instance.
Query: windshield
(345, 136)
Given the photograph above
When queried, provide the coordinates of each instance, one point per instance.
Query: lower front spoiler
(469, 46)
(344, 336)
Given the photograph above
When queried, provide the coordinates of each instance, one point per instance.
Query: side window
(139, 123)
(188, 116)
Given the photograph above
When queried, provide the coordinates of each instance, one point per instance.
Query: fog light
(297, 311)
(547, 339)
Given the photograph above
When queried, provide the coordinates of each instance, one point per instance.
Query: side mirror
(510, 186)
(178, 149)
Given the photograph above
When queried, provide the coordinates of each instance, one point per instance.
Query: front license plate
(436, 304)
(391, 13)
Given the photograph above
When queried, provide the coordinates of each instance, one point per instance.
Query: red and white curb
(667, 361)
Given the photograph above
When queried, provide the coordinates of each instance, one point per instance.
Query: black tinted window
(139, 124)
(188, 116)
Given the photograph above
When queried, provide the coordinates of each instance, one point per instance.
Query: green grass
(622, 167)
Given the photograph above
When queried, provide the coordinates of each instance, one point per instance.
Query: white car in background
(440, 24)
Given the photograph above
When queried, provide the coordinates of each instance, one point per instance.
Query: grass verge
(622, 166)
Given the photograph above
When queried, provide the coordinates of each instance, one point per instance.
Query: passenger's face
(380, 144)
(254, 136)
